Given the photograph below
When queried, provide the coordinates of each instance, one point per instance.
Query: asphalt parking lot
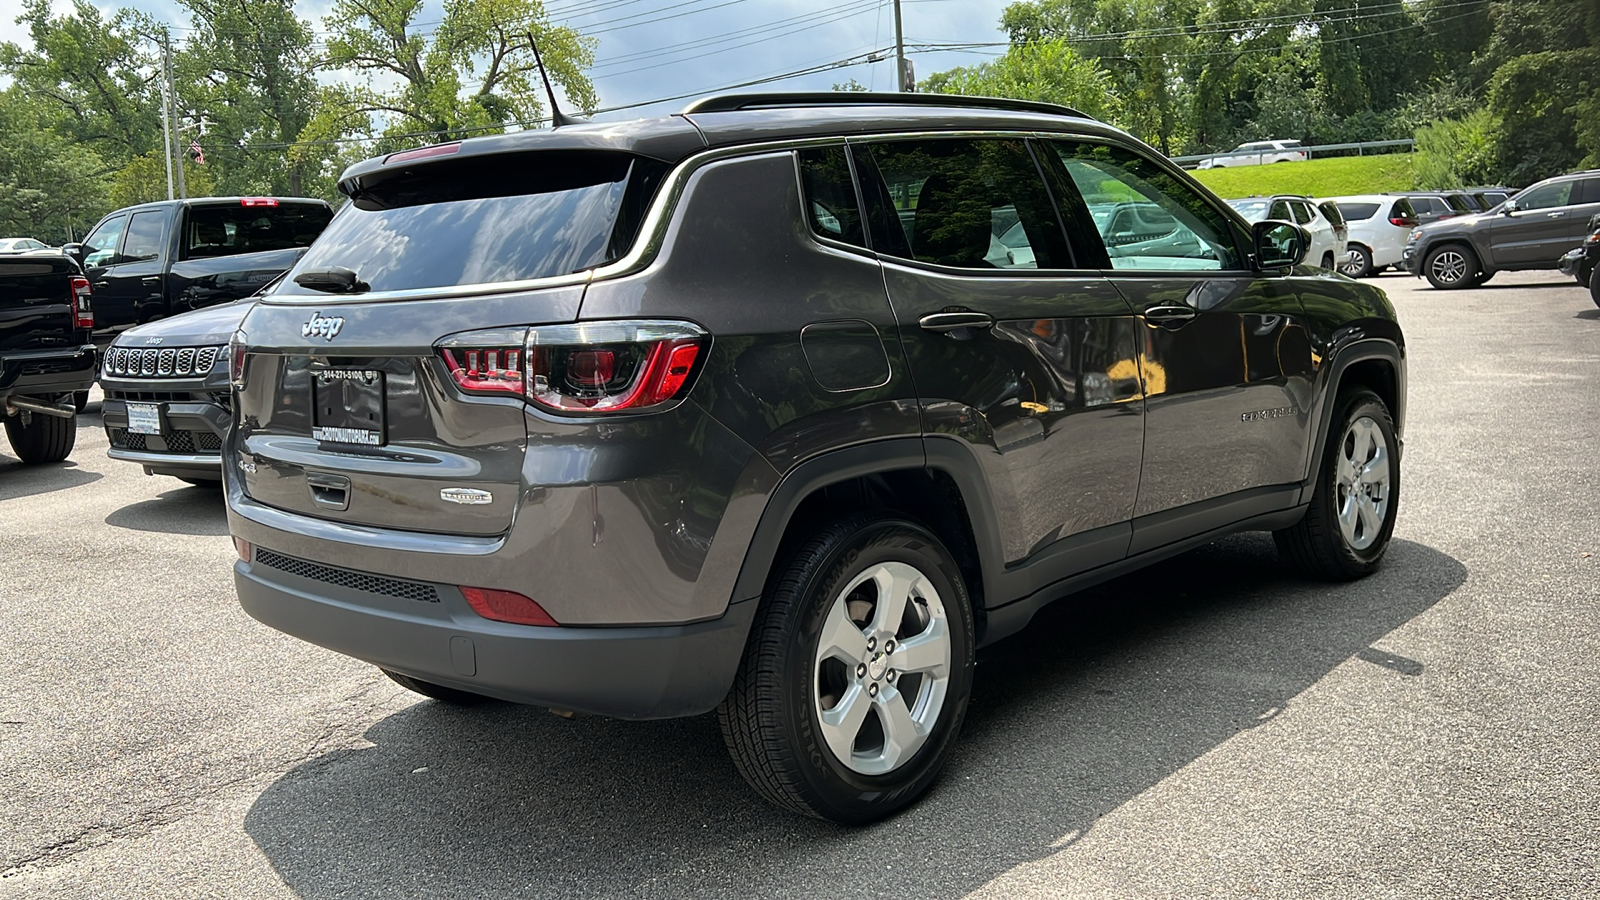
(1213, 726)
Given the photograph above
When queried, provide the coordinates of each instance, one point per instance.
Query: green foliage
(1047, 71)
(1331, 177)
(53, 185)
(1457, 153)
(144, 180)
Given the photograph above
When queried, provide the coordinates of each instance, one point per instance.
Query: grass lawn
(1333, 177)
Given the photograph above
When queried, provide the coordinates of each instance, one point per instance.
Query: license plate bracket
(348, 407)
(144, 418)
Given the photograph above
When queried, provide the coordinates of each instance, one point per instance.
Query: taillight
(596, 367)
(82, 305)
(506, 606)
(236, 357)
(258, 201)
(1403, 222)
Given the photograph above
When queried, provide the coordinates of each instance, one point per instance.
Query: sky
(650, 49)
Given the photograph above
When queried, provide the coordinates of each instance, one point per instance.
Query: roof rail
(734, 102)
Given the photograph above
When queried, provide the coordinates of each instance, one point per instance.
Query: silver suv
(782, 407)
(1532, 230)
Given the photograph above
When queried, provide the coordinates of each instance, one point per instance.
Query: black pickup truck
(45, 352)
(157, 260)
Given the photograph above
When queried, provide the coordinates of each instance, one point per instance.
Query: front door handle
(950, 321)
(101, 284)
(1554, 215)
(151, 279)
(1170, 316)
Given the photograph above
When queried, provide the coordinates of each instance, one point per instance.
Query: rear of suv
(782, 407)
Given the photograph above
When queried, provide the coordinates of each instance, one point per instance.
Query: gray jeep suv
(1532, 230)
(751, 409)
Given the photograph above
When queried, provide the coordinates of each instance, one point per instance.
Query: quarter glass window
(973, 204)
(100, 246)
(831, 195)
(1173, 227)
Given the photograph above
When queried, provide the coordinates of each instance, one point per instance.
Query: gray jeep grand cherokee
(781, 407)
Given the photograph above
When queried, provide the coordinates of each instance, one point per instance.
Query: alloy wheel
(1364, 477)
(1449, 266)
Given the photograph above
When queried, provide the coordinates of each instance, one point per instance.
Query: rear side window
(972, 204)
(830, 199)
(144, 236)
(1588, 191)
(1354, 212)
(218, 230)
(1302, 212)
(487, 220)
(1457, 203)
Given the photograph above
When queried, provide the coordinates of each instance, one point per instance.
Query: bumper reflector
(506, 606)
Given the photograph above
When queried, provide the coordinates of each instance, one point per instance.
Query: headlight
(1414, 236)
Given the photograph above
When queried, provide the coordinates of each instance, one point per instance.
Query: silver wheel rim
(1449, 266)
(1354, 264)
(1363, 483)
(882, 668)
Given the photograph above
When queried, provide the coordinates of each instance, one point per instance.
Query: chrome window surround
(653, 232)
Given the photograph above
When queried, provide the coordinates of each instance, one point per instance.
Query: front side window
(1192, 233)
(101, 245)
(830, 195)
(144, 237)
(972, 204)
(1546, 196)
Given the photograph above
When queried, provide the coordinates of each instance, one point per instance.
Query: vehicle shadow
(1588, 314)
(187, 510)
(19, 480)
(1097, 701)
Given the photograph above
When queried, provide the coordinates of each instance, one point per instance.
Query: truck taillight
(82, 304)
(598, 367)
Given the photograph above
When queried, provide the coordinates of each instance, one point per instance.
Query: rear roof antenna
(557, 117)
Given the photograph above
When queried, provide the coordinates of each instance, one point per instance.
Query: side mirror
(1508, 207)
(73, 250)
(1279, 244)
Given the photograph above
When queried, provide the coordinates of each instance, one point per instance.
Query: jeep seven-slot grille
(161, 362)
(355, 581)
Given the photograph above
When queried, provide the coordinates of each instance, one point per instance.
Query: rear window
(1332, 212)
(487, 220)
(1357, 211)
(223, 230)
(1458, 203)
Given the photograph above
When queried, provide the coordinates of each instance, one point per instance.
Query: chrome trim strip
(653, 232)
(197, 460)
(303, 528)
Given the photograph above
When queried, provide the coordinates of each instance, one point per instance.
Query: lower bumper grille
(345, 578)
(176, 441)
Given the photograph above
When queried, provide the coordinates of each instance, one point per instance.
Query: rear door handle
(151, 279)
(1170, 316)
(950, 321)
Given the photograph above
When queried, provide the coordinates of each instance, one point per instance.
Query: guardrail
(1361, 148)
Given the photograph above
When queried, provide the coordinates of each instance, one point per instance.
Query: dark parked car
(742, 410)
(46, 356)
(1432, 206)
(160, 259)
(1529, 231)
(167, 404)
(1583, 261)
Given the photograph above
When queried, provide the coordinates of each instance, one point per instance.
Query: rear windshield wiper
(332, 280)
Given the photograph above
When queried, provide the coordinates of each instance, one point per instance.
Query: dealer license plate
(144, 418)
(349, 406)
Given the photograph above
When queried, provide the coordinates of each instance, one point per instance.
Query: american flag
(198, 154)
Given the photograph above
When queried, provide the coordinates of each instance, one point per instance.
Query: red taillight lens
(82, 305)
(258, 201)
(599, 367)
(1403, 222)
(506, 606)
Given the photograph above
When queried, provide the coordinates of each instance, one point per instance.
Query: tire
(1337, 544)
(1594, 285)
(1480, 279)
(1450, 266)
(46, 439)
(1583, 275)
(1328, 262)
(80, 400)
(436, 691)
(1359, 263)
(777, 720)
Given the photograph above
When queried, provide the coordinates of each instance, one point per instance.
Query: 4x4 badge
(325, 327)
(467, 496)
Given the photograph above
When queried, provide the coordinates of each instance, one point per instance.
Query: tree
(1046, 70)
(144, 180)
(1547, 54)
(54, 186)
(472, 73)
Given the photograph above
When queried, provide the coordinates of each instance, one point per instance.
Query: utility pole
(177, 132)
(899, 52)
(166, 104)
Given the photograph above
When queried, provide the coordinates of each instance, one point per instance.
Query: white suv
(1258, 153)
(1326, 249)
(1378, 224)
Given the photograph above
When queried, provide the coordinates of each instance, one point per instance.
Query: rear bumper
(47, 373)
(427, 631)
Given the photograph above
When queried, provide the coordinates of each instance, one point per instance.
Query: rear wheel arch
(935, 483)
